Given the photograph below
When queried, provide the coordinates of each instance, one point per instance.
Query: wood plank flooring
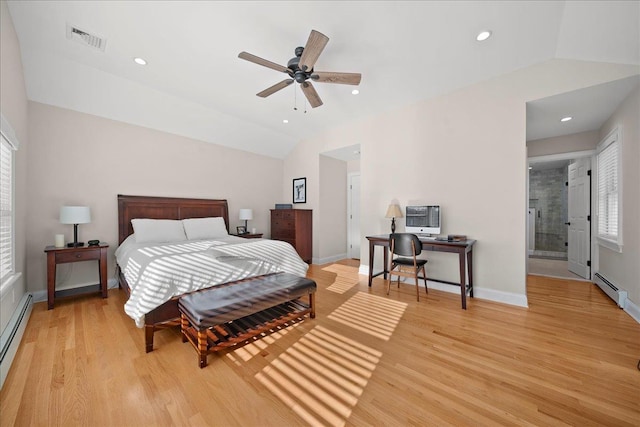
(366, 359)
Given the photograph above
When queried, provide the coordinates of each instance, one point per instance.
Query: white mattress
(156, 272)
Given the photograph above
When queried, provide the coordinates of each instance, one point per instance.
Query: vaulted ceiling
(195, 85)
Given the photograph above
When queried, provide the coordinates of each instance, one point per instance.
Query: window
(609, 192)
(8, 146)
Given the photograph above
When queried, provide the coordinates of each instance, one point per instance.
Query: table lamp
(246, 214)
(393, 212)
(75, 215)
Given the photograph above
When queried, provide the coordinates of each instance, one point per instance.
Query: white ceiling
(194, 84)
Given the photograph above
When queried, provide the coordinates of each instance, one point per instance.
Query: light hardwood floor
(367, 359)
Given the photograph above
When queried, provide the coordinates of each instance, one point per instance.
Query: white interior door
(353, 216)
(579, 209)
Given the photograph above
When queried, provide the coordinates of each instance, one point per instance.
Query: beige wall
(332, 218)
(13, 104)
(467, 154)
(78, 158)
(623, 269)
(582, 141)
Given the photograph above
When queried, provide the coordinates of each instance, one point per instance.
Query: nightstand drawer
(74, 256)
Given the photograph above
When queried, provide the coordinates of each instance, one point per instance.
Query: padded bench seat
(223, 316)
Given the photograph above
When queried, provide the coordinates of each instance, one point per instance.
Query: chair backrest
(402, 244)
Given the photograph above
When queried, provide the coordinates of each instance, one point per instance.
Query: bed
(211, 261)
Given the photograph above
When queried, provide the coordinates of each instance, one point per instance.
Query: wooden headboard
(131, 207)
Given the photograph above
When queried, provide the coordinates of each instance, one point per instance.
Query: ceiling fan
(300, 69)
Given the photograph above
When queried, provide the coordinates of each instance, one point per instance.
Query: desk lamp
(246, 214)
(393, 212)
(75, 215)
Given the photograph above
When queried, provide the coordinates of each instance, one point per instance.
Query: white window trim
(9, 135)
(614, 244)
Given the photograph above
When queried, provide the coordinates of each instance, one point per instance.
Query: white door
(353, 219)
(579, 208)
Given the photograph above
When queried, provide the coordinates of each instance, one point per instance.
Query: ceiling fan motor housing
(295, 72)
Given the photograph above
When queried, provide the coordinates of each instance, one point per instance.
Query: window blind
(608, 192)
(6, 209)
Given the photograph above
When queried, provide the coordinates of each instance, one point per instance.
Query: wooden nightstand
(249, 235)
(57, 256)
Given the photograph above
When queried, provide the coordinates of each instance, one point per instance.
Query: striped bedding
(156, 272)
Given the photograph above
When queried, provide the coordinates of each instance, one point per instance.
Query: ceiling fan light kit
(300, 69)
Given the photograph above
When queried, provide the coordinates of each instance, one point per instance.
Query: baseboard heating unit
(616, 294)
(12, 335)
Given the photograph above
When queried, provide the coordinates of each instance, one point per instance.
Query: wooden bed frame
(131, 207)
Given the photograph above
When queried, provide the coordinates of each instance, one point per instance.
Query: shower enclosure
(548, 206)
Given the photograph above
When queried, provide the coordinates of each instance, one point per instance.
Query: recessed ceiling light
(285, 121)
(355, 92)
(139, 61)
(483, 35)
(566, 119)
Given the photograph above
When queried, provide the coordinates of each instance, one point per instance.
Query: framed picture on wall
(300, 190)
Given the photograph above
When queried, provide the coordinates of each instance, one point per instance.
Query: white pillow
(158, 230)
(205, 228)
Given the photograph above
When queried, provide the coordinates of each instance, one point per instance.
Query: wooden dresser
(294, 226)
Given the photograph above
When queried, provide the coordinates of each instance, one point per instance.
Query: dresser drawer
(278, 232)
(282, 214)
(285, 224)
(87, 255)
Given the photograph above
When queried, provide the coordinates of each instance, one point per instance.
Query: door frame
(350, 176)
(570, 156)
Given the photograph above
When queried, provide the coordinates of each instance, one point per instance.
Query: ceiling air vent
(88, 39)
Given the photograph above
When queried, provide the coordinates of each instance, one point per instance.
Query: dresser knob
(78, 255)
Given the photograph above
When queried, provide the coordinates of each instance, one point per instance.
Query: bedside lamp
(246, 214)
(393, 212)
(75, 215)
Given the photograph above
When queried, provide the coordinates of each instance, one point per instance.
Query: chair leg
(387, 284)
(417, 286)
(424, 274)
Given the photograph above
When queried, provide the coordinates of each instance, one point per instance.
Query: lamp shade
(393, 211)
(75, 215)
(246, 214)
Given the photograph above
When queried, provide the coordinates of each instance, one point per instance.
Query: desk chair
(405, 247)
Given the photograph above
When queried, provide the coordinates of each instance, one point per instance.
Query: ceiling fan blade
(311, 94)
(312, 50)
(257, 60)
(276, 87)
(341, 78)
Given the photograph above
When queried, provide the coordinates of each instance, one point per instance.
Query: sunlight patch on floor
(322, 376)
(258, 345)
(373, 315)
(346, 278)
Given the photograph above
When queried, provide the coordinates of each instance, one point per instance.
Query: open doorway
(559, 216)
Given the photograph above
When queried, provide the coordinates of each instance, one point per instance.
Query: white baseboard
(632, 309)
(40, 296)
(328, 260)
(481, 293)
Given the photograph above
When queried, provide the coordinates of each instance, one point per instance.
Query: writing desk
(464, 249)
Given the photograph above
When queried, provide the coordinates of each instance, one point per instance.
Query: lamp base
(75, 245)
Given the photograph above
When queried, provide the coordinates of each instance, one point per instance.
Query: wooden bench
(221, 317)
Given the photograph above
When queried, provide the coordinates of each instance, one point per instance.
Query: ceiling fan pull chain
(295, 98)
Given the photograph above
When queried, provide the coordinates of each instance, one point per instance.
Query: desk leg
(386, 262)
(51, 279)
(470, 269)
(103, 272)
(371, 249)
(463, 285)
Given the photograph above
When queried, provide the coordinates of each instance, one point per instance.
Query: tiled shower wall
(548, 195)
